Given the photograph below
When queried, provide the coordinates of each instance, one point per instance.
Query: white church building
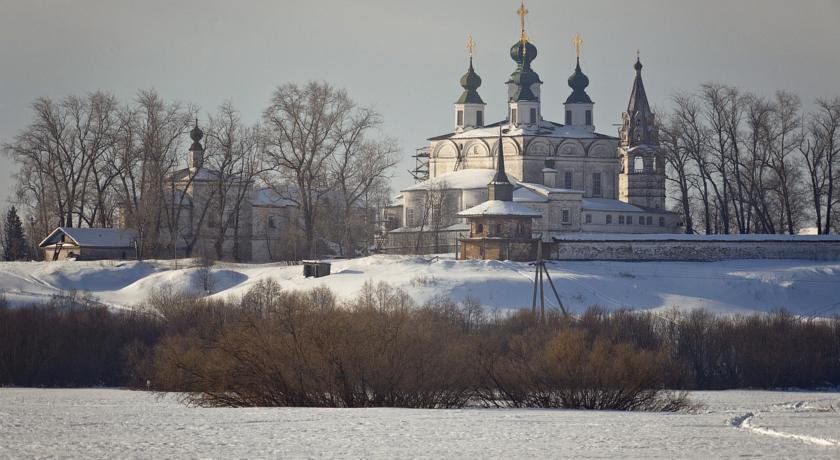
(579, 180)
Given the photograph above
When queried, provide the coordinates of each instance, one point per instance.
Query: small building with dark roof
(66, 243)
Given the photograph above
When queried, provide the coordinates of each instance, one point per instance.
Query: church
(576, 179)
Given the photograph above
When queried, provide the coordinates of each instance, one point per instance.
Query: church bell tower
(469, 108)
(196, 155)
(579, 105)
(524, 83)
(642, 178)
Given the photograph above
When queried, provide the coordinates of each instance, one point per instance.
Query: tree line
(742, 163)
(275, 347)
(97, 161)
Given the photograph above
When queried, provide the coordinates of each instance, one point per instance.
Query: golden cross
(522, 12)
(577, 41)
(470, 45)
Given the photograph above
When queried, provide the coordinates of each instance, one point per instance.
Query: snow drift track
(746, 422)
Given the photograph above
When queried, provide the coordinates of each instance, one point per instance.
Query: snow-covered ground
(37, 423)
(803, 287)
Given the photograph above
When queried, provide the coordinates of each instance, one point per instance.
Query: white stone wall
(652, 250)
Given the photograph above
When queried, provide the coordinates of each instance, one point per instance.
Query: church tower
(579, 105)
(642, 178)
(500, 187)
(469, 108)
(196, 155)
(524, 83)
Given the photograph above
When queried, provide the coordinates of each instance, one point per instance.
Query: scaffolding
(421, 165)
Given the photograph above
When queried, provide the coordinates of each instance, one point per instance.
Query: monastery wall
(697, 250)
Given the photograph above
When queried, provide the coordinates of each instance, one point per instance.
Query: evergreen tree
(14, 241)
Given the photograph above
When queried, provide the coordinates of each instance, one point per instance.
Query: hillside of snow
(803, 287)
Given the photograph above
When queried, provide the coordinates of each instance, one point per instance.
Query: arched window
(479, 228)
(638, 164)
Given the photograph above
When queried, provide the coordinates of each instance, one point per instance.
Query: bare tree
(235, 157)
(357, 168)
(785, 139)
(755, 164)
(820, 150)
(148, 147)
(676, 142)
(306, 126)
(435, 215)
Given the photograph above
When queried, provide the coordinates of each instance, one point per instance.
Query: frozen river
(126, 424)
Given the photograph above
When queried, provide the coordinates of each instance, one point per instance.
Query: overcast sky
(405, 58)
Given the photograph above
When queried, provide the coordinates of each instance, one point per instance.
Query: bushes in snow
(275, 347)
(71, 342)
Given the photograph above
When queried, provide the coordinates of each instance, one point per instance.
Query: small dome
(196, 134)
(516, 52)
(578, 81)
(470, 80)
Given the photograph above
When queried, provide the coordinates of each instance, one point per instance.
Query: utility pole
(539, 266)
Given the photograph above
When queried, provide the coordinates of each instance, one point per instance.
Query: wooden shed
(90, 244)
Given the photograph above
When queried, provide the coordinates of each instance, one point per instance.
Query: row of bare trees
(743, 163)
(96, 161)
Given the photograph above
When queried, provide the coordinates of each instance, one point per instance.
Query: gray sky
(405, 58)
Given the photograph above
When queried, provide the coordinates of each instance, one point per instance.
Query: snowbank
(803, 287)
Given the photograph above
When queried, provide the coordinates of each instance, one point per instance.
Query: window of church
(589, 218)
(271, 223)
(596, 184)
(629, 220)
(513, 116)
(460, 118)
(498, 229)
(638, 164)
(409, 217)
(479, 118)
(479, 228)
(609, 219)
(565, 216)
(567, 178)
(589, 118)
(533, 115)
(568, 117)
(649, 220)
(661, 221)
(621, 220)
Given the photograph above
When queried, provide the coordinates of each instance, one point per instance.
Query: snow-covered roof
(544, 129)
(641, 148)
(685, 237)
(197, 175)
(396, 200)
(527, 195)
(546, 190)
(93, 237)
(268, 198)
(458, 180)
(501, 209)
(459, 227)
(606, 204)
